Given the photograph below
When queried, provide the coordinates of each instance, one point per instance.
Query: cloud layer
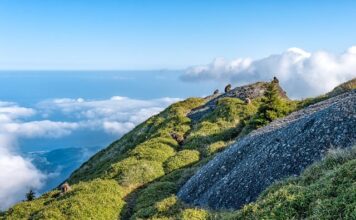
(301, 73)
(114, 116)
(17, 175)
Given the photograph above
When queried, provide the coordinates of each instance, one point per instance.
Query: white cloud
(45, 128)
(116, 115)
(301, 74)
(10, 111)
(17, 174)
(117, 127)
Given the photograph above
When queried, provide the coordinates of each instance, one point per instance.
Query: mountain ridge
(285, 147)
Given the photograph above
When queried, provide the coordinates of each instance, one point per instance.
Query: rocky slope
(251, 91)
(283, 148)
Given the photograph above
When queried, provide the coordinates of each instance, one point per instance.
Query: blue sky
(132, 34)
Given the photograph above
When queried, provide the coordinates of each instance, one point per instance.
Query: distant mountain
(177, 152)
(58, 164)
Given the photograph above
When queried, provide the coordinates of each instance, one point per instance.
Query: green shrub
(167, 208)
(223, 124)
(181, 159)
(215, 147)
(194, 214)
(158, 127)
(153, 193)
(25, 210)
(273, 106)
(133, 173)
(180, 176)
(166, 204)
(153, 151)
(98, 199)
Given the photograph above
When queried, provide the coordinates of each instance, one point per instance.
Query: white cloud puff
(10, 111)
(45, 128)
(117, 127)
(116, 115)
(301, 73)
(17, 174)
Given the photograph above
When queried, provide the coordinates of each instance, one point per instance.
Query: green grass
(204, 138)
(344, 87)
(133, 173)
(153, 150)
(326, 190)
(151, 138)
(223, 124)
(181, 159)
(216, 147)
(97, 199)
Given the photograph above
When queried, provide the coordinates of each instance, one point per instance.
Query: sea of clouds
(115, 116)
(302, 74)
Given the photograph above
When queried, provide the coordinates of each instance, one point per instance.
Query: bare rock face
(281, 149)
(251, 91)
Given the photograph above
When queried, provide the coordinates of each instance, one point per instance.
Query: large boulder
(283, 148)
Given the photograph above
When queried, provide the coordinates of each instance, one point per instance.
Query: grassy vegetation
(222, 125)
(346, 86)
(101, 184)
(326, 190)
(181, 159)
(99, 198)
(138, 176)
(206, 137)
(272, 106)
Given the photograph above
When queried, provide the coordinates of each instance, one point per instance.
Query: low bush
(133, 173)
(223, 124)
(194, 214)
(153, 193)
(97, 199)
(215, 147)
(181, 159)
(153, 151)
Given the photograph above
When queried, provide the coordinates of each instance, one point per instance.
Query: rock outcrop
(281, 149)
(250, 91)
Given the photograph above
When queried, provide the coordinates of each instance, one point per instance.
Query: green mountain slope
(138, 176)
